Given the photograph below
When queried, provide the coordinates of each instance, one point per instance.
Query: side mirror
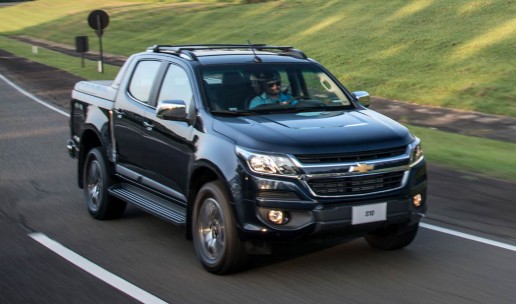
(172, 110)
(363, 97)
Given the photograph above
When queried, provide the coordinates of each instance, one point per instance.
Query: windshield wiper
(283, 109)
(300, 109)
(326, 108)
(236, 113)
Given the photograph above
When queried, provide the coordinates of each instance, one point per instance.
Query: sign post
(99, 20)
(81, 46)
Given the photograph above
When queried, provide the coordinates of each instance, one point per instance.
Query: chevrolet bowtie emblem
(362, 168)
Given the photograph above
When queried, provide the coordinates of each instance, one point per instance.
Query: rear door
(129, 120)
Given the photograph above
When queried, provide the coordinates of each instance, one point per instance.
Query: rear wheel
(215, 236)
(96, 180)
(393, 237)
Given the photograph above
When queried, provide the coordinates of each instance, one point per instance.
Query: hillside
(457, 53)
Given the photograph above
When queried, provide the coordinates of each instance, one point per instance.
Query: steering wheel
(293, 99)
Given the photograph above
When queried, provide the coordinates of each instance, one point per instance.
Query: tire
(215, 236)
(393, 237)
(96, 180)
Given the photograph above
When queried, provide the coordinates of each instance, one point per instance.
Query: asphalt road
(39, 194)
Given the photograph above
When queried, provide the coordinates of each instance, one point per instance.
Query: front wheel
(215, 236)
(96, 181)
(393, 237)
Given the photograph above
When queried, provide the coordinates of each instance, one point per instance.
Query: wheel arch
(200, 176)
(89, 140)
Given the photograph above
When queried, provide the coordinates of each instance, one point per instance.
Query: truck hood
(314, 132)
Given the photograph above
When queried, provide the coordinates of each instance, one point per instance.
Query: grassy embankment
(447, 53)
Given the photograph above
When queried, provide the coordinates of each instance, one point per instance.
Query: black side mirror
(363, 97)
(172, 110)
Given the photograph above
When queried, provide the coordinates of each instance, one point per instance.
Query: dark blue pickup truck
(245, 145)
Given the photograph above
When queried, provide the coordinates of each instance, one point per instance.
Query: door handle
(148, 126)
(119, 113)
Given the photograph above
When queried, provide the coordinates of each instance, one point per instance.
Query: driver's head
(273, 87)
(269, 81)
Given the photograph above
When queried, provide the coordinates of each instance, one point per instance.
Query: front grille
(351, 157)
(353, 185)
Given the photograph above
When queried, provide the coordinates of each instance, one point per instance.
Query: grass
(58, 60)
(479, 155)
(457, 54)
(483, 156)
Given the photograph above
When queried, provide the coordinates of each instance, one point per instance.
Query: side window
(176, 85)
(143, 79)
(321, 87)
(285, 85)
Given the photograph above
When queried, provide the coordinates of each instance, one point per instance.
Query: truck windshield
(271, 88)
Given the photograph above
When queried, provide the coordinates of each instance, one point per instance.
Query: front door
(169, 145)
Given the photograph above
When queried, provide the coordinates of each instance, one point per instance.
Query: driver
(270, 86)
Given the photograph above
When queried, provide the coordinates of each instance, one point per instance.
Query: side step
(150, 202)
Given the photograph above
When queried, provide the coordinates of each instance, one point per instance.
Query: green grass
(484, 156)
(479, 155)
(68, 63)
(456, 53)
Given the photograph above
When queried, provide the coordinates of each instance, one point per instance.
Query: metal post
(99, 33)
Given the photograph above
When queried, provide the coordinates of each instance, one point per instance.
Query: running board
(149, 202)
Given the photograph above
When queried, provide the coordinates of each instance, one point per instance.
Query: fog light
(416, 200)
(277, 217)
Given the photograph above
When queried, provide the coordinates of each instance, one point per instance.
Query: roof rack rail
(286, 50)
(173, 49)
(186, 50)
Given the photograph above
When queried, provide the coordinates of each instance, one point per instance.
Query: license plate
(369, 213)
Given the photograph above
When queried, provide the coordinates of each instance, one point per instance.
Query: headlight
(273, 164)
(416, 153)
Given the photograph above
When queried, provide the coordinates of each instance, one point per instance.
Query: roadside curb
(115, 60)
(450, 120)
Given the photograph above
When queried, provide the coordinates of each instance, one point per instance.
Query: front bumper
(310, 215)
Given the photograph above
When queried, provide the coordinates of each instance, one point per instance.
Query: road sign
(98, 20)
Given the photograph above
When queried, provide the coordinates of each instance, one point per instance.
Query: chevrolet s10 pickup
(245, 146)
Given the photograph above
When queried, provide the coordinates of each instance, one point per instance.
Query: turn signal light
(416, 200)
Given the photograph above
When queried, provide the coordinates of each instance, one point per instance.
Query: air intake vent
(350, 157)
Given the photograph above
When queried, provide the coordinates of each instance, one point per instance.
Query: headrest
(232, 79)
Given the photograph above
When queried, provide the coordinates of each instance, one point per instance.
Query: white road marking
(79, 261)
(36, 99)
(95, 270)
(469, 236)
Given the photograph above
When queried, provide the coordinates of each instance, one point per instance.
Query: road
(39, 195)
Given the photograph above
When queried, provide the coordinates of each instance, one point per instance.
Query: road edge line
(36, 99)
(95, 270)
(469, 237)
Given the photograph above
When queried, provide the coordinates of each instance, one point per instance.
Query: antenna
(256, 58)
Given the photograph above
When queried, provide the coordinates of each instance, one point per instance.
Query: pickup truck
(246, 146)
